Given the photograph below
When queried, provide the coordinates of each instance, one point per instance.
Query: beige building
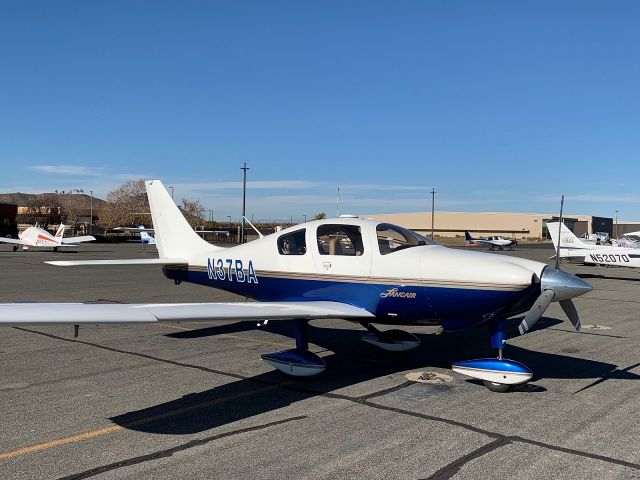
(516, 225)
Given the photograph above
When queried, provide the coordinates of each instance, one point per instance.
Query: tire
(15, 248)
(497, 387)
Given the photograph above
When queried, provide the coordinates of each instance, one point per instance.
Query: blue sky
(502, 106)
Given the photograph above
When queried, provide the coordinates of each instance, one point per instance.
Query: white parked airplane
(145, 238)
(571, 247)
(493, 242)
(39, 237)
(363, 271)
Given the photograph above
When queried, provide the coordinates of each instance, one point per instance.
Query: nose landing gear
(498, 374)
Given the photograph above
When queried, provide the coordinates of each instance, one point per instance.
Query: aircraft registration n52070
(359, 270)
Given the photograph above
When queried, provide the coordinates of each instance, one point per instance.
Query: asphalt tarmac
(194, 400)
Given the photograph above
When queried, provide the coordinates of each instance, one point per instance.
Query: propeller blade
(537, 310)
(570, 309)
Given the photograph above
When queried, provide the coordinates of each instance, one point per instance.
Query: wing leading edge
(15, 314)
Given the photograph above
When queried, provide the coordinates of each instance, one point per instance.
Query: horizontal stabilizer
(83, 313)
(84, 238)
(130, 261)
(11, 240)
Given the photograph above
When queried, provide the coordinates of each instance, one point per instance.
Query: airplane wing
(14, 314)
(133, 229)
(84, 238)
(129, 261)
(11, 240)
(482, 241)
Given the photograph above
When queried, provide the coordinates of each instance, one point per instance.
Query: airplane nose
(564, 285)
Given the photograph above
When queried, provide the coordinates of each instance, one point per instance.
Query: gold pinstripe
(410, 282)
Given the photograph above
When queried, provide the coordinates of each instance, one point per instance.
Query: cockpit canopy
(346, 239)
(392, 238)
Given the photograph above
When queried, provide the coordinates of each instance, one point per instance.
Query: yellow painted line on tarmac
(39, 447)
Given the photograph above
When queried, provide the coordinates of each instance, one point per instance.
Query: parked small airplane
(39, 237)
(144, 234)
(363, 271)
(572, 248)
(493, 242)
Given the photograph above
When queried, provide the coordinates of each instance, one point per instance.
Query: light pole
(433, 208)
(229, 217)
(244, 169)
(91, 214)
(616, 229)
(305, 217)
(338, 202)
(171, 192)
(210, 218)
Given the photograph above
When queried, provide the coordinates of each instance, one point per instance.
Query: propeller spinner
(556, 286)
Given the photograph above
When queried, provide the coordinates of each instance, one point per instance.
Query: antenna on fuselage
(253, 226)
(559, 233)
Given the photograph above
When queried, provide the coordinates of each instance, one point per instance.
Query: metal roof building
(515, 225)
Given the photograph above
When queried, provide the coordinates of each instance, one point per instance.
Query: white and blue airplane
(492, 242)
(362, 271)
(574, 249)
(145, 238)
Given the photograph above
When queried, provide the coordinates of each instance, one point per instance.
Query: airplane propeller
(559, 286)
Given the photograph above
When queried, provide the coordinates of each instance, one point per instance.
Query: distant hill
(80, 200)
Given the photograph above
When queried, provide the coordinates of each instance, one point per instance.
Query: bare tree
(71, 208)
(193, 211)
(126, 205)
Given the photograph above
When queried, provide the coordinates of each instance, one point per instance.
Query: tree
(320, 216)
(126, 205)
(193, 211)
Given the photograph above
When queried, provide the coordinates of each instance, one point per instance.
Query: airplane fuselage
(425, 284)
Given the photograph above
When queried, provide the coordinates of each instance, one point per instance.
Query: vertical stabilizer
(174, 236)
(567, 238)
(60, 233)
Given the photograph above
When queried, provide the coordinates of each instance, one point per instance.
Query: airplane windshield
(392, 238)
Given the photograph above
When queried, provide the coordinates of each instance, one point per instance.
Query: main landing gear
(498, 374)
(297, 362)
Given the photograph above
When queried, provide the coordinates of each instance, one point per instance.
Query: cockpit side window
(392, 238)
(340, 240)
(293, 243)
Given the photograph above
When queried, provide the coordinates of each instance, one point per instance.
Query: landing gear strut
(298, 362)
(498, 374)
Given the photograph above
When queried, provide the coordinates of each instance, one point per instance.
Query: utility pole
(91, 214)
(433, 208)
(244, 169)
(338, 202)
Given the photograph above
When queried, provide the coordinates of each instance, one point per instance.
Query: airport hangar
(508, 224)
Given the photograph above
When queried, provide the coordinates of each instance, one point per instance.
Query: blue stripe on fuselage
(452, 307)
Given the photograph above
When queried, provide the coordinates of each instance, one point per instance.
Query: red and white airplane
(39, 237)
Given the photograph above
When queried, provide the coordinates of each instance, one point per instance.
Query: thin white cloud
(251, 185)
(73, 170)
